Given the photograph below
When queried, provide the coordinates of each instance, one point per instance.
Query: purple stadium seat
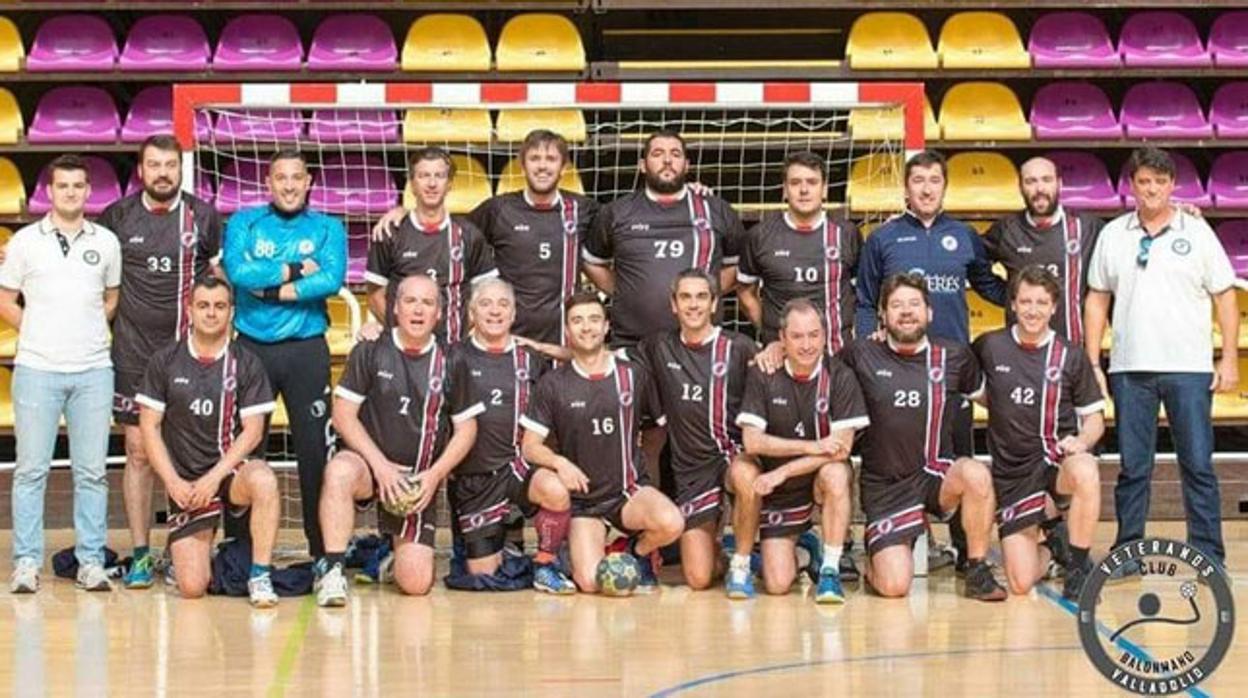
(353, 184)
(242, 185)
(1228, 180)
(1085, 181)
(357, 251)
(1064, 110)
(1071, 40)
(1187, 185)
(260, 125)
(1163, 110)
(259, 42)
(166, 43)
(151, 112)
(354, 126)
(70, 43)
(1234, 237)
(355, 42)
(75, 115)
(1228, 112)
(1228, 40)
(105, 189)
(203, 185)
(1161, 39)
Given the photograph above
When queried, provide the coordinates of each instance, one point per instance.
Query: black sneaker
(1057, 540)
(848, 569)
(1075, 577)
(982, 585)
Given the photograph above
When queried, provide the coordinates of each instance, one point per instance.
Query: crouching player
(1044, 418)
(407, 421)
(798, 427)
(593, 407)
(203, 403)
(494, 477)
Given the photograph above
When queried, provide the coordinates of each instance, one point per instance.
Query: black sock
(1078, 556)
(332, 559)
(973, 562)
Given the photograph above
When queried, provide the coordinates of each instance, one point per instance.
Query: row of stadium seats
(271, 43)
(990, 40)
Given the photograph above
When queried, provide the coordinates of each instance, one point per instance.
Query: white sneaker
(331, 588)
(260, 589)
(25, 579)
(92, 577)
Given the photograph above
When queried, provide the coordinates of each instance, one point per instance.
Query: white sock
(831, 558)
(740, 562)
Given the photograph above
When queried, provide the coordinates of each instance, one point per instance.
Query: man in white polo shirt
(68, 271)
(1162, 266)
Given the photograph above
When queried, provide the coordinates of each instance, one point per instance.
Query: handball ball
(617, 575)
(405, 504)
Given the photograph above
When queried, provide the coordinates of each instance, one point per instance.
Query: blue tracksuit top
(259, 243)
(948, 254)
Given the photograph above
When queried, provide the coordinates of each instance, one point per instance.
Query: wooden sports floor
(677, 643)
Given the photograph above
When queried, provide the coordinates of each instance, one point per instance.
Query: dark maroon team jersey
(203, 402)
(912, 400)
(1065, 249)
(595, 421)
(454, 254)
(408, 401)
(807, 408)
(818, 263)
(1035, 397)
(503, 382)
(700, 388)
(538, 251)
(162, 254)
(649, 243)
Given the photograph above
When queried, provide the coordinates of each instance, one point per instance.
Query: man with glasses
(1162, 265)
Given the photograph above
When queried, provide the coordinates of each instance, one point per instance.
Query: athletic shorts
(699, 493)
(787, 512)
(1021, 495)
(418, 528)
(896, 511)
(206, 518)
(481, 502)
(125, 386)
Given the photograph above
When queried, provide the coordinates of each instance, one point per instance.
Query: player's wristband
(272, 293)
(296, 271)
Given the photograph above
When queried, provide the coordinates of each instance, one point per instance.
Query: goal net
(357, 138)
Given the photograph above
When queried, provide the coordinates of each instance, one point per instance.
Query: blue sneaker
(829, 590)
(756, 558)
(142, 572)
(739, 584)
(809, 542)
(648, 582)
(551, 580)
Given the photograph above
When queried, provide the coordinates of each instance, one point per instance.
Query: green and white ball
(617, 575)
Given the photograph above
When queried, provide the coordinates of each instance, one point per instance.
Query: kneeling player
(203, 402)
(494, 477)
(913, 385)
(798, 426)
(394, 408)
(593, 407)
(1044, 416)
(699, 372)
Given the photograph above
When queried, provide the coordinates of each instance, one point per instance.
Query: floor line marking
(292, 649)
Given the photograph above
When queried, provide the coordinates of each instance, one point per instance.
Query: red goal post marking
(545, 95)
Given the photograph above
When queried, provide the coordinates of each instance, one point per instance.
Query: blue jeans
(39, 399)
(1189, 405)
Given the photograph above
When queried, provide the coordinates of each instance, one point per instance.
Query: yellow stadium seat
(447, 125)
(470, 187)
(6, 398)
(981, 40)
(889, 41)
(982, 181)
(515, 124)
(887, 124)
(982, 227)
(540, 42)
(1241, 297)
(8, 333)
(446, 43)
(1232, 407)
(12, 192)
(983, 111)
(984, 316)
(12, 52)
(344, 323)
(11, 125)
(512, 179)
(875, 184)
